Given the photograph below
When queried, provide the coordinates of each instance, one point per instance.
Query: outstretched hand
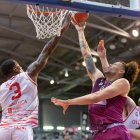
(66, 22)
(62, 103)
(101, 49)
(79, 27)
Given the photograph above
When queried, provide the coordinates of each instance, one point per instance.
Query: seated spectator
(66, 137)
(71, 138)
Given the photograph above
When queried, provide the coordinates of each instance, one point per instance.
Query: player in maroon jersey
(109, 93)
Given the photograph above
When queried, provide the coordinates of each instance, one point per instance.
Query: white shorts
(22, 132)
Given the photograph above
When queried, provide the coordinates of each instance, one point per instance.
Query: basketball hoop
(47, 21)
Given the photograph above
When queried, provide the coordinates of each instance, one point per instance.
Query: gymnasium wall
(53, 115)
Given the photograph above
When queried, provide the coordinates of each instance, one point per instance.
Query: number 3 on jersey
(16, 91)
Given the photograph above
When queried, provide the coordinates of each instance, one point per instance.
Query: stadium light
(48, 127)
(60, 128)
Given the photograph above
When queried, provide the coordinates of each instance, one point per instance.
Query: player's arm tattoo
(88, 58)
(83, 44)
(90, 64)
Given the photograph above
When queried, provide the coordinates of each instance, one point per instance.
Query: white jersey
(132, 121)
(19, 101)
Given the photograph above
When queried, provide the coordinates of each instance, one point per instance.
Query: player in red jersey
(131, 115)
(18, 95)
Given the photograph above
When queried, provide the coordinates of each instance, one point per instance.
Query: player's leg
(5, 133)
(22, 133)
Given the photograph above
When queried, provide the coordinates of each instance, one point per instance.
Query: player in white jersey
(131, 115)
(18, 95)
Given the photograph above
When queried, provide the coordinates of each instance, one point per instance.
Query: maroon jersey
(106, 112)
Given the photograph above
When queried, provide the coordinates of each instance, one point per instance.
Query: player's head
(139, 102)
(116, 69)
(128, 71)
(10, 67)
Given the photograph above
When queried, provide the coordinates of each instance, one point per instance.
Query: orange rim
(45, 13)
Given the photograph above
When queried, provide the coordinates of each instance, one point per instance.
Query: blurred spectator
(89, 138)
(45, 137)
(71, 138)
(84, 137)
(66, 137)
(51, 134)
(67, 133)
(56, 134)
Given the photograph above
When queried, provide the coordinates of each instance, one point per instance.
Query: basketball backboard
(129, 9)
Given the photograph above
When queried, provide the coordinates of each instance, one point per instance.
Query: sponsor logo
(136, 114)
(16, 127)
(101, 83)
(20, 127)
(101, 103)
(19, 103)
(10, 110)
(136, 122)
(7, 84)
(102, 87)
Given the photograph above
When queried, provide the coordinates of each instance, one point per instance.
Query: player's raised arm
(48, 49)
(93, 72)
(102, 54)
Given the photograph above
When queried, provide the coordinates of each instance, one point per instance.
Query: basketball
(79, 17)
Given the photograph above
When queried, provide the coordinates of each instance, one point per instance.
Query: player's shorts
(22, 132)
(115, 133)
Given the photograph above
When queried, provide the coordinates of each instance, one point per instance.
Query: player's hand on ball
(62, 103)
(79, 27)
(101, 49)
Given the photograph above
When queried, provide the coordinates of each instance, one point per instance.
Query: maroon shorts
(116, 133)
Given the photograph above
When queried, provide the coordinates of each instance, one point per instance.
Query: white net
(47, 21)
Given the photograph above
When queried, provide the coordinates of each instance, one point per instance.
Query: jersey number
(16, 91)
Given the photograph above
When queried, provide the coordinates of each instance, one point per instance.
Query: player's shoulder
(129, 100)
(123, 81)
(13, 78)
(123, 85)
(22, 75)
